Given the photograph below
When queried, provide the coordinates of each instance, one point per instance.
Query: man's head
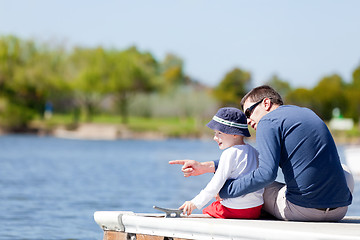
(258, 102)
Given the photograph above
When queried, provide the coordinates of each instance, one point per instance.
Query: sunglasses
(249, 110)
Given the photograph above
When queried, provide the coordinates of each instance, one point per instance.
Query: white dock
(119, 225)
(124, 225)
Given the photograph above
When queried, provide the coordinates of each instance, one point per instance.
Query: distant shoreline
(96, 131)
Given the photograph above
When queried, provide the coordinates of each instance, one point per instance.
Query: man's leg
(276, 204)
(349, 178)
(271, 193)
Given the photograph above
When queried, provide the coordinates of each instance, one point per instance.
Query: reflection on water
(51, 187)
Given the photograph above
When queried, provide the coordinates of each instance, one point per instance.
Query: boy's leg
(217, 210)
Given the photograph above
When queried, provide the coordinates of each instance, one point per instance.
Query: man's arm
(251, 182)
(216, 163)
(268, 143)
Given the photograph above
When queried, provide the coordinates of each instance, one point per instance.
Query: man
(298, 141)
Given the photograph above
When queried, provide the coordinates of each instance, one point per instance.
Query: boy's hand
(188, 207)
(218, 198)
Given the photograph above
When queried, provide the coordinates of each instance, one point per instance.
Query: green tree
(356, 78)
(10, 59)
(89, 78)
(352, 94)
(301, 97)
(29, 76)
(329, 94)
(281, 86)
(233, 87)
(130, 72)
(172, 73)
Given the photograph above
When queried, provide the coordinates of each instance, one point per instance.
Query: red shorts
(217, 210)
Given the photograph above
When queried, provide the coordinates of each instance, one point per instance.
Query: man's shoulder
(280, 117)
(286, 112)
(288, 108)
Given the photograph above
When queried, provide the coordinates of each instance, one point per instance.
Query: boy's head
(230, 120)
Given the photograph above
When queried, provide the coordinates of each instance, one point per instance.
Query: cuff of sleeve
(216, 163)
(196, 203)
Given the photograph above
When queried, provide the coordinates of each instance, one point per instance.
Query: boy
(238, 159)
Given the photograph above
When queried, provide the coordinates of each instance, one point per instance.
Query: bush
(16, 118)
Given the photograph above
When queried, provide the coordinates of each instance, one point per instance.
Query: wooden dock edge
(125, 225)
(113, 235)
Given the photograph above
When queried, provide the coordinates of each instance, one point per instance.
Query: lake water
(51, 187)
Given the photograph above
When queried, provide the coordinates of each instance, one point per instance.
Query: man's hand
(188, 207)
(194, 168)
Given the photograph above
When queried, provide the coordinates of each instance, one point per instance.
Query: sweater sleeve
(269, 148)
(216, 163)
(222, 173)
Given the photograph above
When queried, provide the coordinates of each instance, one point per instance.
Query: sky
(299, 41)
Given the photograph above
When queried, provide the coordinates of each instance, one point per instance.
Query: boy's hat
(230, 120)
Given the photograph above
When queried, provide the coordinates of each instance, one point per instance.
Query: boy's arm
(221, 175)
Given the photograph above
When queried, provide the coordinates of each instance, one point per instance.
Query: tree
(282, 87)
(329, 94)
(233, 87)
(356, 78)
(89, 78)
(352, 94)
(301, 97)
(29, 76)
(129, 72)
(172, 73)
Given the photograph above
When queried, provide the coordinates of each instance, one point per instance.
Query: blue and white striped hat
(230, 120)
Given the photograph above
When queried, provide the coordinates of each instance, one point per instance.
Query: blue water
(51, 187)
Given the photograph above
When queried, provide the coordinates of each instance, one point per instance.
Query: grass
(351, 136)
(167, 126)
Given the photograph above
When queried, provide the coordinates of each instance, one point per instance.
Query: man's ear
(267, 104)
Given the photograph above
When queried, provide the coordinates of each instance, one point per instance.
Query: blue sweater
(298, 141)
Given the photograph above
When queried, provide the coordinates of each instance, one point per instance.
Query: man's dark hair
(262, 92)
